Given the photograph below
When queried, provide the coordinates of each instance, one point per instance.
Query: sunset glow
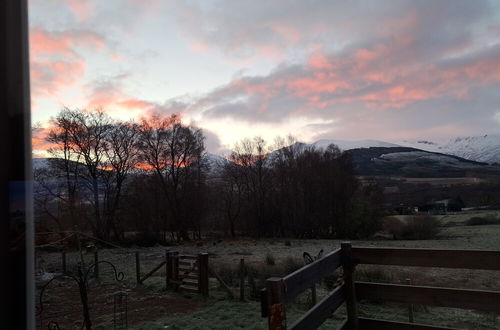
(376, 70)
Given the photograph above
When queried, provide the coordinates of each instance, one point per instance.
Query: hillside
(411, 162)
(484, 148)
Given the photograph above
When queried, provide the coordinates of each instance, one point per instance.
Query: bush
(291, 264)
(478, 221)
(270, 260)
(415, 228)
(331, 281)
(362, 221)
(420, 227)
(254, 289)
(230, 275)
(393, 226)
(144, 239)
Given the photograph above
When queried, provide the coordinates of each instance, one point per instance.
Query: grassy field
(265, 258)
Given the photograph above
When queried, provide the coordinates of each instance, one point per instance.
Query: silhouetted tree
(174, 151)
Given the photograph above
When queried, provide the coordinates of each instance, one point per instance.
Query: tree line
(153, 177)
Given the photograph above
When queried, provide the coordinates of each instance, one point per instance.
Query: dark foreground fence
(282, 290)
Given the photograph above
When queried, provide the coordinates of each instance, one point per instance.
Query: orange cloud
(39, 143)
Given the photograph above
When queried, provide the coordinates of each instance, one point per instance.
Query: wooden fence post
(242, 279)
(410, 306)
(63, 257)
(276, 315)
(96, 264)
(137, 267)
(203, 273)
(348, 266)
(175, 269)
(168, 269)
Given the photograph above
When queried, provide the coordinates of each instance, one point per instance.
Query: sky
(347, 70)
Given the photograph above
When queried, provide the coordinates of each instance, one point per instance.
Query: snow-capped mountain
(347, 145)
(214, 161)
(484, 148)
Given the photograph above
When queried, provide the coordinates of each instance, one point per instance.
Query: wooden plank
(203, 273)
(320, 312)
(175, 269)
(303, 278)
(349, 286)
(63, 257)
(468, 259)
(190, 276)
(96, 264)
(190, 282)
(153, 271)
(188, 289)
(263, 303)
(185, 269)
(188, 256)
(276, 315)
(186, 263)
(242, 279)
(344, 325)
(488, 301)
(375, 324)
(137, 268)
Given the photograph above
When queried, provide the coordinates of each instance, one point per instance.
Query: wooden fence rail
(280, 291)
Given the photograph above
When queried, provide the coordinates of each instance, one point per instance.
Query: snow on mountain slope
(214, 161)
(347, 145)
(484, 148)
(39, 163)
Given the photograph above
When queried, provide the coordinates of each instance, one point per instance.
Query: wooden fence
(185, 272)
(280, 291)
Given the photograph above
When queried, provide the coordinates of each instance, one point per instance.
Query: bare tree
(231, 194)
(251, 156)
(174, 152)
(121, 158)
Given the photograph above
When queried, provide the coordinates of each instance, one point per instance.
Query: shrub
(270, 260)
(144, 239)
(254, 290)
(420, 227)
(393, 226)
(230, 275)
(291, 264)
(416, 227)
(478, 221)
(331, 281)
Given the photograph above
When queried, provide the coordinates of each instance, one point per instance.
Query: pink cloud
(49, 77)
(55, 60)
(81, 9)
(288, 32)
(318, 61)
(63, 43)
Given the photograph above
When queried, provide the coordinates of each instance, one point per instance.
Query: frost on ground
(152, 307)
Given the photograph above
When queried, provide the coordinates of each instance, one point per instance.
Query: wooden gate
(184, 272)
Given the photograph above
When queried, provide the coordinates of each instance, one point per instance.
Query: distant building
(443, 206)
